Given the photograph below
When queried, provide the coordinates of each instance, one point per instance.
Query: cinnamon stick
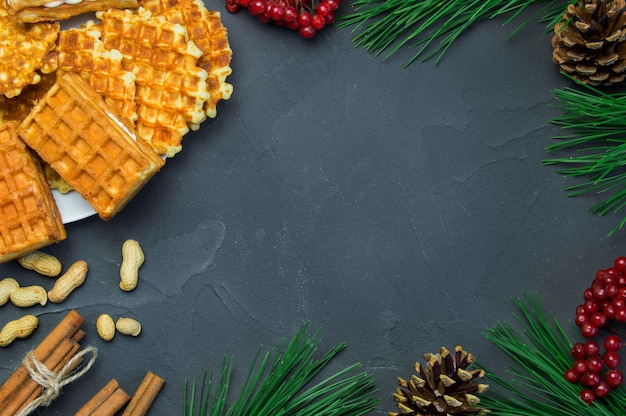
(30, 391)
(18, 388)
(144, 396)
(107, 402)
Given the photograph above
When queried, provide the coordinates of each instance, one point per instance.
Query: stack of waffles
(100, 107)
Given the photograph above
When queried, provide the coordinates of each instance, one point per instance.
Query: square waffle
(205, 29)
(32, 11)
(73, 130)
(80, 50)
(171, 88)
(29, 218)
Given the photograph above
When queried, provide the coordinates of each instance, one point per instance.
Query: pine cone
(589, 41)
(445, 387)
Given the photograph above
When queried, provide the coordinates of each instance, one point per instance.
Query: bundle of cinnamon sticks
(59, 348)
(55, 351)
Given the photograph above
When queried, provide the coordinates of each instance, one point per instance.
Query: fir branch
(596, 121)
(390, 25)
(280, 385)
(540, 352)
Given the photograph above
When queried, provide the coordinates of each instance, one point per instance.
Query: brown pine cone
(589, 41)
(446, 386)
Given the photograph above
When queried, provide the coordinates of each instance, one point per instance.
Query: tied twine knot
(52, 383)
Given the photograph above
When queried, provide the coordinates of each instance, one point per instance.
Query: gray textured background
(396, 209)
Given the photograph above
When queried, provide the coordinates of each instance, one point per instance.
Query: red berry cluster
(305, 16)
(589, 365)
(605, 301)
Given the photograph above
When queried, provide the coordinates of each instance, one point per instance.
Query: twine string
(52, 383)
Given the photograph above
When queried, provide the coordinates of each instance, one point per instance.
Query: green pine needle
(280, 384)
(540, 352)
(596, 122)
(432, 26)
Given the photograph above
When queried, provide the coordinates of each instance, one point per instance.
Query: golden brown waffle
(18, 107)
(205, 29)
(25, 53)
(29, 218)
(73, 130)
(171, 88)
(40, 10)
(80, 50)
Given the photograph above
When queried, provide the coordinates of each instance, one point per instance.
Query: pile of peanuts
(48, 265)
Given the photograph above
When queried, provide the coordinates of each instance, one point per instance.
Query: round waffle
(205, 29)
(81, 51)
(171, 88)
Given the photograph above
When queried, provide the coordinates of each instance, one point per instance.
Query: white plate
(72, 206)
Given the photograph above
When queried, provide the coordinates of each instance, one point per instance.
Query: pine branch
(596, 121)
(280, 385)
(540, 352)
(432, 26)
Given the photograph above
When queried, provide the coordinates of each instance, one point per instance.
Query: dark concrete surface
(396, 209)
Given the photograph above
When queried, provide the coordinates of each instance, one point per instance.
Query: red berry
(595, 364)
(620, 263)
(277, 12)
(304, 19)
(620, 314)
(307, 32)
(612, 290)
(598, 319)
(590, 379)
(293, 25)
(264, 17)
(318, 22)
(291, 14)
(581, 319)
(256, 7)
(578, 350)
(329, 18)
(609, 311)
(580, 310)
(243, 3)
(591, 347)
(614, 377)
(611, 359)
(591, 306)
(619, 302)
(612, 343)
(587, 396)
(588, 330)
(599, 293)
(580, 366)
(602, 389)
(571, 375)
(232, 7)
(322, 9)
(332, 5)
